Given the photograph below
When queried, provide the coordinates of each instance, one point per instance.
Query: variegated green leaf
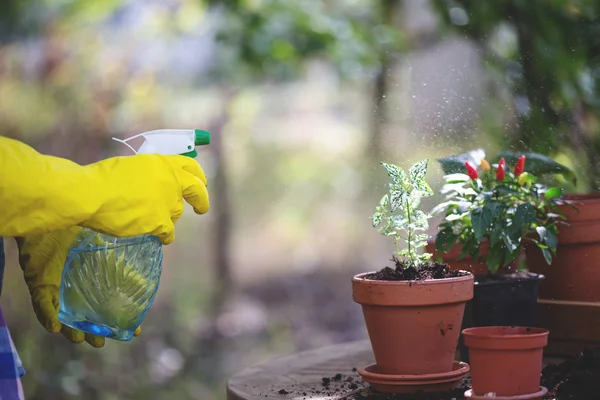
(399, 221)
(417, 178)
(424, 188)
(415, 200)
(397, 199)
(377, 217)
(418, 215)
(417, 172)
(403, 252)
(385, 201)
(419, 245)
(388, 231)
(396, 174)
(419, 224)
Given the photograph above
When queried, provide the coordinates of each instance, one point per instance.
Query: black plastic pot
(506, 299)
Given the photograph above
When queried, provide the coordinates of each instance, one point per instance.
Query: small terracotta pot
(506, 360)
(413, 325)
(574, 274)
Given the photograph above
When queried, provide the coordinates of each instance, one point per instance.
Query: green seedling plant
(398, 214)
(505, 207)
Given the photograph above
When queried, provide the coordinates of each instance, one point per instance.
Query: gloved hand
(42, 259)
(144, 194)
(120, 196)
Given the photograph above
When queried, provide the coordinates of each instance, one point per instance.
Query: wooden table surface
(300, 376)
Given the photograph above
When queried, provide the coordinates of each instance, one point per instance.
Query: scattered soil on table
(402, 272)
(577, 379)
(344, 385)
(330, 386)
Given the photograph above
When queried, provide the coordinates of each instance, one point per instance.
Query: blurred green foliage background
(304, 99)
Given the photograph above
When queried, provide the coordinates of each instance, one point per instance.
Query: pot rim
(359, 278)
(505, 332)
(588, 197)
(459, 369)
(532, 277)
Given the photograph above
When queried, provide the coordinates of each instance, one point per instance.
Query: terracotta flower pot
(574, 274)
(413, 325)
(451, 258)
(569, 295)
(505, 360)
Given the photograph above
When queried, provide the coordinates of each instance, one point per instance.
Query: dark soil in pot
(403, 273)
(505, 299)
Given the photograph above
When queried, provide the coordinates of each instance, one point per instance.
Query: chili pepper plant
(504, 205)
(495, 211)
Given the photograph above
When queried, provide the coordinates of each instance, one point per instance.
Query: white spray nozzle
(170, 141)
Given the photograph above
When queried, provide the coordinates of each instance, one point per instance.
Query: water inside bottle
(108, 286)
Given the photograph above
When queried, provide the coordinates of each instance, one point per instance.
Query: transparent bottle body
(109, 284)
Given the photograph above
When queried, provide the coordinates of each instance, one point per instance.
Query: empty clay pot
(573, 275)
(506, 360)
(413, 325)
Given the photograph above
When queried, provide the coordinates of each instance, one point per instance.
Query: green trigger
(192, 154)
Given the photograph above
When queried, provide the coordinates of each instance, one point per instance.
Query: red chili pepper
(471, 171)
(520, 166)
(500, 172)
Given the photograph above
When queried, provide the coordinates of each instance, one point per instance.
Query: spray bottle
(109, 283)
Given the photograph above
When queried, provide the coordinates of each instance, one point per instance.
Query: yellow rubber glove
(42, 259)
(120, 196)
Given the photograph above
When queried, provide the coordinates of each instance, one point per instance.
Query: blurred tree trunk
(538, 90)
(221, 207)
(379, 117)
(586, 144)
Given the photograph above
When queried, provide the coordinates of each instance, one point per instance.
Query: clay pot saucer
(532, 396)
(427, 383)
